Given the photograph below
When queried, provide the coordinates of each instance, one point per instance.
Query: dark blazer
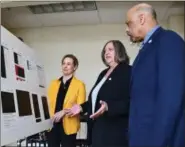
(110, 129)
(157, 117)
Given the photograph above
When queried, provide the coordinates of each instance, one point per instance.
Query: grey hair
(148, 9)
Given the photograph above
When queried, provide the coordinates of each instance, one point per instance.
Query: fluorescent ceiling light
(78, 5)
(57, 7)
(47, 8)
(68, 6)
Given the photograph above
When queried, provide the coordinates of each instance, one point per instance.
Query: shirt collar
(149, 34)
(69, 80)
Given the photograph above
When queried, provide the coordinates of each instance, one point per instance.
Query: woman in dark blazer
(108, 103)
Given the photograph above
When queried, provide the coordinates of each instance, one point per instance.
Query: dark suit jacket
(110, 129)
(157, 116)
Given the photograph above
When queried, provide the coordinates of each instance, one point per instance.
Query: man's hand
(74, 110)
(58, 116)
(103, 108)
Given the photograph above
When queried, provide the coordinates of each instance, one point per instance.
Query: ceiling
(18, 15)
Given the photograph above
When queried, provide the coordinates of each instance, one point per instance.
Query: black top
(61, 94)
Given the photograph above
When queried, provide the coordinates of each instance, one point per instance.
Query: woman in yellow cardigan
(62, 94)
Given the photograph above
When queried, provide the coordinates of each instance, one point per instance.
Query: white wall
(86, 42)
(176, 23)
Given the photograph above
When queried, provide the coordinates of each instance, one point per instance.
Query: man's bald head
(140, 18)
(146, 8)
(143, 8)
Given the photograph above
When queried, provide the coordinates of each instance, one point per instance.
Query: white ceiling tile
(23, 21)
(9, 4)
(113, 12)
(69, 18)
(112, 15)
(18, 10)
(117, 4)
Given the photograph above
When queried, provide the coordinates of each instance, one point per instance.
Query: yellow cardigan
(76, 94)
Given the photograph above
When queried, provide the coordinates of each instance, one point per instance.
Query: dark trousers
(57, 137)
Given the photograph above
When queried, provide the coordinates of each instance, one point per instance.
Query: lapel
(54, 91)
(98, 80)
(109, 78)
(144, 50)
(71, 90)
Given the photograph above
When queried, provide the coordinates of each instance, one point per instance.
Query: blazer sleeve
(87, 104)
(81, 94)
(170, 92)
(120, 104)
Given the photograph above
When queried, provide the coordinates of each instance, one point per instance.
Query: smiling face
(113, 53)
(109, 54)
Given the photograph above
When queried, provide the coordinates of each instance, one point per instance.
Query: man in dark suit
(157, 117)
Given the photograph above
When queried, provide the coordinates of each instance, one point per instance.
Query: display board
(24, 103)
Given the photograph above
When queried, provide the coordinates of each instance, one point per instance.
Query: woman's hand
(101, 110)
(58, 116)
(74, 110)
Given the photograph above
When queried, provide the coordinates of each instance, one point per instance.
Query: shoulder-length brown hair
(120, 52)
